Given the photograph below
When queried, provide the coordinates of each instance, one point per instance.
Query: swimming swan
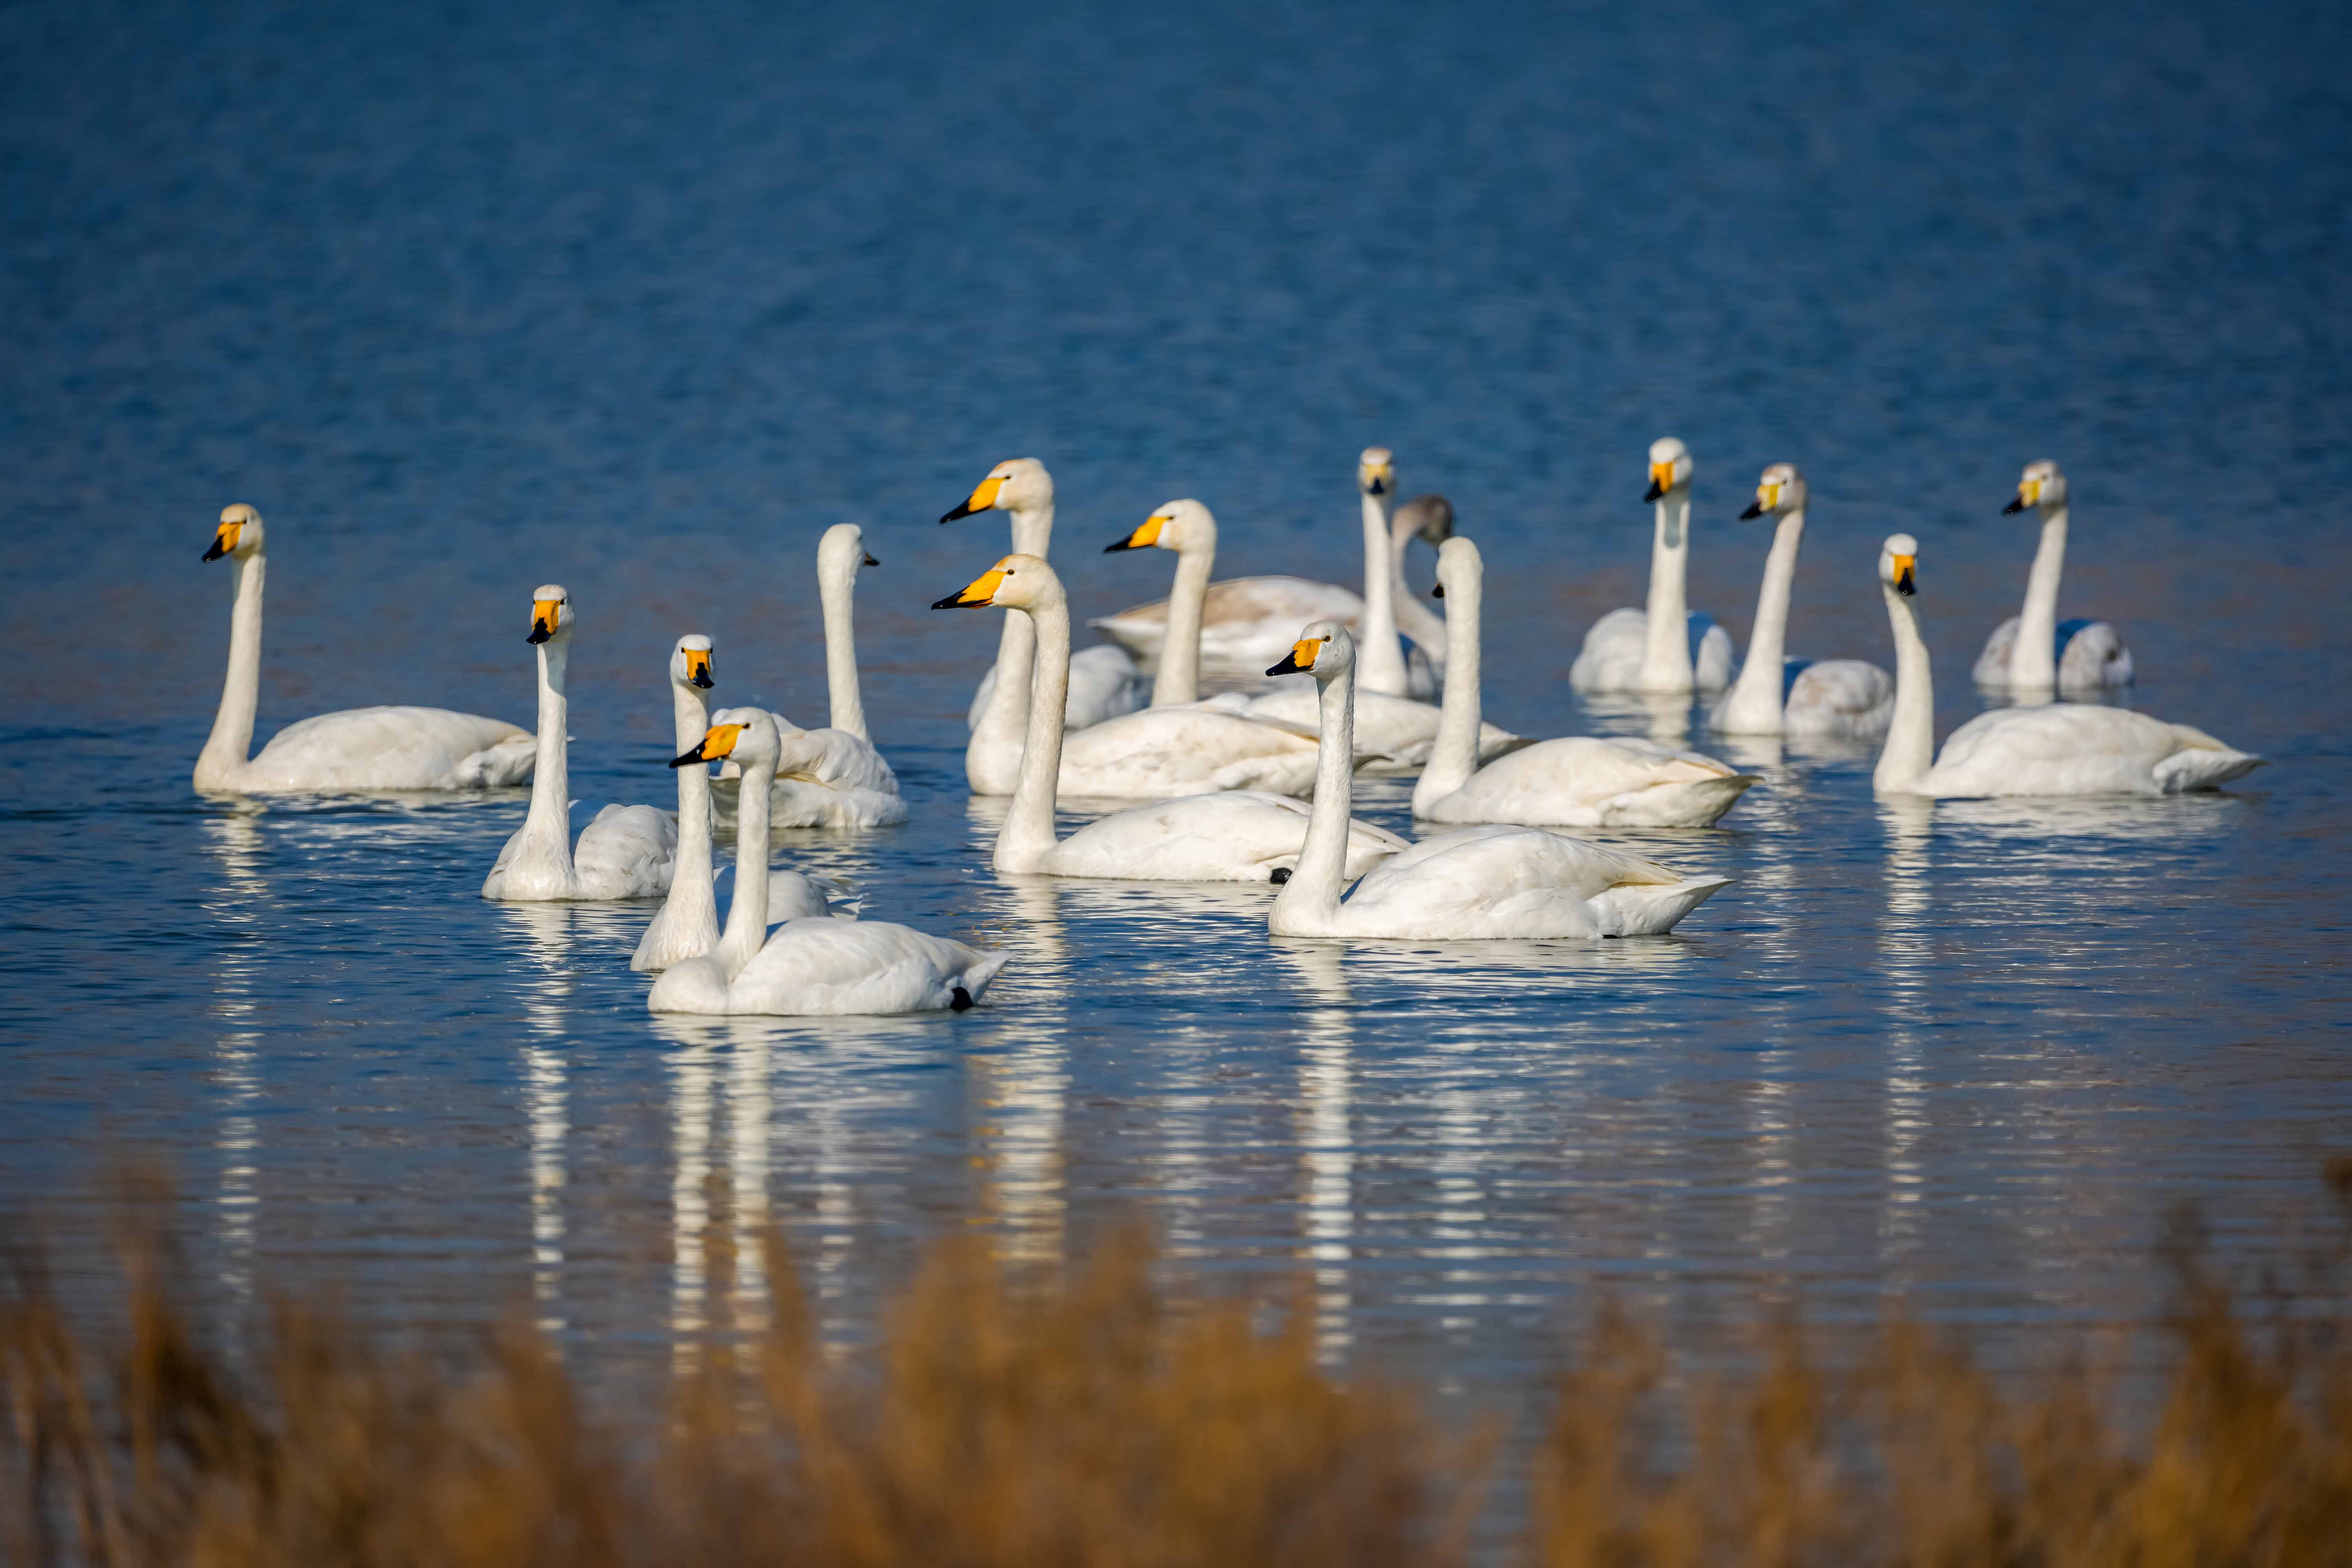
(687, 922)
(2064, 748)
(1398, 730)
(1243, 836)
(1582, 781)
(1477, 882)
(1663, 648)
(833, 776)
(1103, 681)
(627, 852)
(2035, 651)
(1835, 698)
(810, 967)
(357, 749)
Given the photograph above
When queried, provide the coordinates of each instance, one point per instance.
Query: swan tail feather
(1685, 803)
(1646, 909)
(2202, 767)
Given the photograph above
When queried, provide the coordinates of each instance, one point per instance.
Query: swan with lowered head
(1104, 681)
(2064, 748)
(1835, 698)
(687, 922)
(1243, 836)
(809, 966)
(1397, 730)
(1477, 882)
(1582, 781)
(2035, 651)
(627, 852)
(357, 749)
(1666, 649)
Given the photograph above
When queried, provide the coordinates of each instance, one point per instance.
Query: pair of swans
(1246, 622)
(809, 965)
(1477, 882)
(2035, 651)
(1664, 649)
(2059, 749)
(1243, 836)
(357, 749)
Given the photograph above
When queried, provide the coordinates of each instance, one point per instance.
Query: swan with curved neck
(2058, 749)
(1105, 682)
(1663, 649)
(1430, 519)
(835, 776)
(1477, 882)
(627, 852)
(2033, 652)
(809, 965)
(1775, 695)
(1582, 781)
(357, 749)
(1245, 835)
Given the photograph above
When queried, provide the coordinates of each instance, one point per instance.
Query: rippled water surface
(640, 301)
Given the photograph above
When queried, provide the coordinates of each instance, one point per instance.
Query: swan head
(746, 736)
(1017, 484)
(2043, 485)
(1324, 650)
(1781, 490)
(1376, 471)
(1178, 525)
(550, 613)
(689, 662)
(1670, 466)
(1015, 582)
(842, 551)
(1427, 518)
(1898, 563)
(238, 533)
(1459, 566)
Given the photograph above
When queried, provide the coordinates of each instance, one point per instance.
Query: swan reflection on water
(547, 933)
(2137, 819)
(1907, 960)
(235, 839)
(1326, 1135)
(1651, 716)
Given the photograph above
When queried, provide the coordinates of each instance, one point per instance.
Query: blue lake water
(641, 300)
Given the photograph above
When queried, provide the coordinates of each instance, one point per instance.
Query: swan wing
(1389, 727)
(2091, 656)
(627, 852)
(829, 967)
(1104, 684)
(1498, 881)
(1992, 665)
(1848, 697)
(392, 748)
(1712, 655)
(1589, 780)
(1240, 618)
(2068, 748)
(1610, 659)
(1163, 752)
(1238, 836)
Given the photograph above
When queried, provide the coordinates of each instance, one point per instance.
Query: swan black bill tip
(1378, 487)
(1281, 874)
(1904, 586)
(539, 633)
(1655, 491)
(690, 758)
(1118, 545)
(956, 601)
(963, 509)
(215, 553)
(1289, 666)
(702, 679)
(870, 561)
(960, 1000)
(1755, 509)
(1438, 592)
(2016, 505)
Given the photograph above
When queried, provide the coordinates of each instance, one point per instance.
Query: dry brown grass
(1108, 1419)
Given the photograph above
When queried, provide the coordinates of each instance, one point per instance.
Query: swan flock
(1314, 685)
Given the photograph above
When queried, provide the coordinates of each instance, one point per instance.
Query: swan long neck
(1379, 662)
(547, 830)
(1178, 679)
(1027, 836)
(1313, 891)
(2033, 657)
(1414, 618)
(1453, 755)
(1910, 749)
(836, 591)
(1757, 696)
(1016, 647)
(231, 741)
(1665, 654)
(747, 915)
(690, 892)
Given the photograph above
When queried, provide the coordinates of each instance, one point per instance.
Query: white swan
(811, 966)
(627, 852)
(1835, 699)
(1664, 648)
(1477, 882)
(2064, 748)
(357, 749)
(2035, 651)
(1582, 781)
(1430, 519)
(687, 922)
(1103, 681)
(1398, 730)
(833, 776)
(1243, 836)
(1248, 621)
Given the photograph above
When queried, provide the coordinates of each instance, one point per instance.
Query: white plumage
(2035, 650)
(1662, 648)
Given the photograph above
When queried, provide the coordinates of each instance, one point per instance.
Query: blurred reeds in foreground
(1109, 1419)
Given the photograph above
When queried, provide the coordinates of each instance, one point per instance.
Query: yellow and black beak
(697, 667)
(223, 541)
(1906, 577)
(718, 742)
(1661, 479)
(2027, 494)
(979, 596)
(543, 619)
(1300, 659)
(1143, 538)
(1766, 497)
(980, 499)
